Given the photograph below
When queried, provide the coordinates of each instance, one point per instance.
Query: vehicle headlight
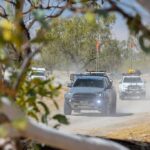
(124, 88)
(99, 94)
(99, 101)
(68, 95)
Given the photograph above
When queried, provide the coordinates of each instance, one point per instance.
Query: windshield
(132, 80)
(37, 73)
(89, 83)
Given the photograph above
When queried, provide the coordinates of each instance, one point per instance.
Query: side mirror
(109, 86)
(69, 85)
(111, 81)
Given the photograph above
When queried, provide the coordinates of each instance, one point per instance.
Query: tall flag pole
(97, 54)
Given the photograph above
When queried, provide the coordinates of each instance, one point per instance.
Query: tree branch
(145, 4)
(55, 15)
(52, 137)
(11, 2)
(48, 7)
(115, 8)
(31, 24)
(87, 63)
(3, 14)
(25, 64)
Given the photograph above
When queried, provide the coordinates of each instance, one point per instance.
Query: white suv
(132, 86)
(39, 73)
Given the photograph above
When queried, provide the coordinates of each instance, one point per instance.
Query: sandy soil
(132, 121)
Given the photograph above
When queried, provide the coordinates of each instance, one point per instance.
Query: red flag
(97, 46)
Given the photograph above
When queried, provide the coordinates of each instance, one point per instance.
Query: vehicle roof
(88, 74)
(98, 72)
(92, 77)
(38, 69)
(91, 74)
(133, 76)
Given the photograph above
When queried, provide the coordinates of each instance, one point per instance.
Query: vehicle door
(113, 90)
(120, 85)
(107, 90)
(110, 90)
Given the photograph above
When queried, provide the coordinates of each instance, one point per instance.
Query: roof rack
(96, 71)
(131, 74)
(75, 75)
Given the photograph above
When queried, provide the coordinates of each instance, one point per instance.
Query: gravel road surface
(129, 113)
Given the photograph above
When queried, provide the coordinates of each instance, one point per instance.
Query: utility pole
(97, 53)
(131, 45)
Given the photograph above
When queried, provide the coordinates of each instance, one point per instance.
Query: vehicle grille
(134, 87)
(84, 96)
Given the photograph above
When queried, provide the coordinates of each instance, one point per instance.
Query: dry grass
(139, 132)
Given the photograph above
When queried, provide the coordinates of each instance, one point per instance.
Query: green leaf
(44, 106)
(33, 115)
(56, 126)
(32, 93)
(101, 13)
(46, 109)
(56, 105)
(3, 131)
(90, 17)
(44, 118)
(2, 54)
(61, 119)
(134, 23)
(141, 41)
(20, 124)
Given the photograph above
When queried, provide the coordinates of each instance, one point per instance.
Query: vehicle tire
(77, 111)
(143, 96)
(113, 108)
(67, 109)
(121, 97)
(114, 104)
(106, 109)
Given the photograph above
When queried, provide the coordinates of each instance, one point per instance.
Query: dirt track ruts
(130, 113)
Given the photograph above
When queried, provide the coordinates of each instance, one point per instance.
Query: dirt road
(130, 114)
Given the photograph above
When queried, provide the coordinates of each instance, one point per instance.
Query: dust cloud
(136, 105)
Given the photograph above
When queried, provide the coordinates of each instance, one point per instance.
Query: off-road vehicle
(90, 93)
(132, 86)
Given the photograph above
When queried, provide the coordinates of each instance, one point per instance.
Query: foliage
(110, 57)
(23, 25)
(30, 97)
(17, 50)
(74, 44)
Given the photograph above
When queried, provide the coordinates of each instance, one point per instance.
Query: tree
(23, 24)
(132, 56)
(110, 56)
(75, 42)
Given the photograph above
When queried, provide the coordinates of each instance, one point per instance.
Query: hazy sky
(120, 29)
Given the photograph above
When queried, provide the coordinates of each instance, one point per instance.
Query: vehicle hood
(85, 90)
(128, 84)
(124, 86)
(39, 77)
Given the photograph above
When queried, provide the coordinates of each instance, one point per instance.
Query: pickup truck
(90, 93)
(132, 86)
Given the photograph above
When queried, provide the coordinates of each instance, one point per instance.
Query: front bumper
(133, 93)
(86, 104)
